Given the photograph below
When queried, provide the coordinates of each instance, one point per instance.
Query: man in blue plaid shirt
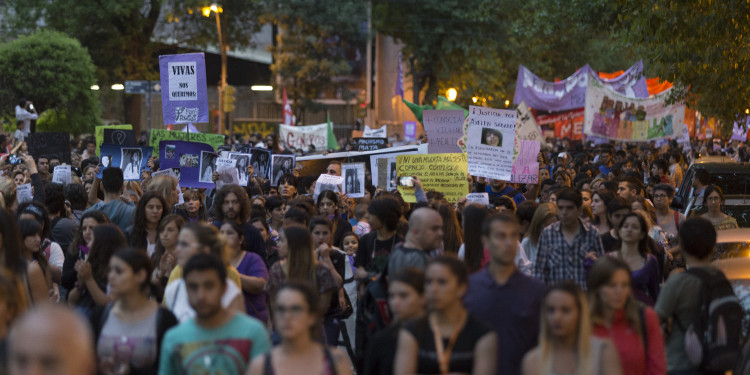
(568, 247)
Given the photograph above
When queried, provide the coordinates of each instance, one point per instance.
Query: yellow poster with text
(444, 173)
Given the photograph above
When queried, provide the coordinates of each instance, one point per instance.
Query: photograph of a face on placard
(392, 176)
(281, 165)
(243, 161)
(354, 179)
(207, 166)
(130, 163)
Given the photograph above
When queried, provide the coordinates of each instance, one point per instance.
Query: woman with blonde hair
(166, 186)
(616, 314)
(544, 215)
(566, 344)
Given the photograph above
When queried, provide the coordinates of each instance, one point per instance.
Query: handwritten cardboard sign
(369, 144)
(443, 128)
(526, 166)
(444, 173)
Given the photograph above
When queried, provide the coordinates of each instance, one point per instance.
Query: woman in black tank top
(297, 317)
(448, 339)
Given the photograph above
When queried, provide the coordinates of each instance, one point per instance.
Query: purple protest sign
(444, 128)
(410, 131)
(187, 157)
(526, 166)
(183, 88)
(739, 131)
(570, 93)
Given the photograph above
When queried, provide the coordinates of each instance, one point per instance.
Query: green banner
(158, 135)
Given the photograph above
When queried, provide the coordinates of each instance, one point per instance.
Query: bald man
(425, 235)
(51, 340)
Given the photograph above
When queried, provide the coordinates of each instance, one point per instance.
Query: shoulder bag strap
(331, 361)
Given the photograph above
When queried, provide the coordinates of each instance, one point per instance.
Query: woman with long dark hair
(151, 209)
(252, 269)
(328, 205)
(599, 201)
(299, 263)
(79, 247)
(634, 251)
(194, 208)
(406, 300)
(472, 249)
(39, 279)
(713, 200)
(164, 258)
(471, 345)
(617, 315)
(383, 214)
(297, 320)
(12, 260)
(566, 344)
(90, 290)
(129, 331)
(453, 234)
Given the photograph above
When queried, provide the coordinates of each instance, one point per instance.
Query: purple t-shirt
(255, 304)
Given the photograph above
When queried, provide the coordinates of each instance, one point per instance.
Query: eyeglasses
(713, 199)
(660, 196)
(294, 309)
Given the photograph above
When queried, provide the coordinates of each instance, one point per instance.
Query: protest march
(593, 225)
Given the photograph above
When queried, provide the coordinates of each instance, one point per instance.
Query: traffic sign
(142, 87)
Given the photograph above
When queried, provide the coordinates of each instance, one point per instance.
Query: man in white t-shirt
(25, 112)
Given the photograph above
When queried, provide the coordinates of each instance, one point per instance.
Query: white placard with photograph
(327, 182)
(354, 179)
(24, 193)
(61, 174)
(281, 165)
(242, 161)
(227, 172)
(131, 159)
(207, 166)
(490, 140)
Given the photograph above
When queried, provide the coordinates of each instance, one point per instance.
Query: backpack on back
(713, 341)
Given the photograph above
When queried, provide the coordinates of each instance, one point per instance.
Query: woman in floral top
(713, 200)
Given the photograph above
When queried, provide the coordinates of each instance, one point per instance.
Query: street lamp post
(207, 12)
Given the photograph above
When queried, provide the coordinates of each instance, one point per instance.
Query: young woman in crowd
(287, 187)
(713, 200)
(383, 214)
(39, 280)
(194, 209)
(297, 320)
(472, 251)
(276, 207)
(90, 289)
(252, 269)
(79, 247)
(448, 339)
(164, 258)
(13, 263)
(300, 263)
(195, 238)
(633, 250)
(328, 205)
(335, 260)
(350, 246)
(617, 315)
(51, 250)
(151, 209)
(566, 344)
(599, 201)
(544, 215)
(453, 235)
(272, 249)
(129, 331)
(406, 300)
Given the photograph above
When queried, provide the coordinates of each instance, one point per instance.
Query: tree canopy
(55, 73)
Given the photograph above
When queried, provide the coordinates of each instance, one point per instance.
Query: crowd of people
(582, 273)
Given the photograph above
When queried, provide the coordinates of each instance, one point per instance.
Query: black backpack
(713, 341)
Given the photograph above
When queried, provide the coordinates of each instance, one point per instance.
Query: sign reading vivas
(183, 94)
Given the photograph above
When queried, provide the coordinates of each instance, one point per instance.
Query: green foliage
(476, 46)
(702, 46)
(55, 73)
(123, 36)
(314, 44)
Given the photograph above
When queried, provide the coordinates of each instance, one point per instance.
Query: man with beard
(231, 203)
(498, 188)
